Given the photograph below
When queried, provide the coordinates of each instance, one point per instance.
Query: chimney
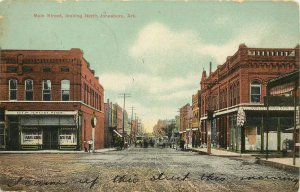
(209, 68)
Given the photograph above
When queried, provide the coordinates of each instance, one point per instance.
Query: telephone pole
(124, 95)
(131, 122)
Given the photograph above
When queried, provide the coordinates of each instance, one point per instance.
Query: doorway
(50, 138)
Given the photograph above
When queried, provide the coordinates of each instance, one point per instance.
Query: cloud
(165, 51)
(153, 97)
(116, 81)
(158, 48)
(151, 84)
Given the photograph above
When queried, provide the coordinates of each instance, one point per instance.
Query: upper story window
(65, 90)
(46, 69)
(64, 69)
(13, 87)
(11, 69)
(28, 90)
(255, 91)
(46, 90)
(27, 69)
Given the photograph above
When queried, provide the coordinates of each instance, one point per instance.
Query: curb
(288, 168)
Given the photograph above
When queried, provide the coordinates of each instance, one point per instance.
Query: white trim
(40, 112)
(271, 108)
(15, 101)
(249, 107)
(195, 129)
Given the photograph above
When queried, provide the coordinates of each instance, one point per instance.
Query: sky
(154, 51)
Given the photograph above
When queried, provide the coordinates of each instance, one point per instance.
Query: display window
(31, 137)
(67, 137)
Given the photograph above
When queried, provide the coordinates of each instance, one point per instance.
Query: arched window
(65, 90)
(28, 90)
(13, 87)
(255, 91)
(46, 90)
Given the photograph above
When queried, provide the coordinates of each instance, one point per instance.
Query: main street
(139, 169)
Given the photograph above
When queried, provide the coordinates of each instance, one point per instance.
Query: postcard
(149, 95)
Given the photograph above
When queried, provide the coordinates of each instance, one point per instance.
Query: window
(13, 89)
(64, 69)
(12, 69)
(46, 90)
(65, 90)
(31, 137)
(46, 69)
(255, 91)
(67, 137)
(27, 69)
(28, 90)
(2, 134)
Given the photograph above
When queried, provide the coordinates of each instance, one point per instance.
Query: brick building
(47, 100)
(185, 123)
(196, 101)
(240, 83)
(108, 127)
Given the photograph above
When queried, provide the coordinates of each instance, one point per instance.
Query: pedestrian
(90, 143)
(85, 148)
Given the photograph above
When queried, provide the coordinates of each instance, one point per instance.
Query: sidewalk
(55, 151)
(284, 163)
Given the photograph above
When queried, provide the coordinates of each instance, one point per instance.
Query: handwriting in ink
(90, 182)
(162, 176)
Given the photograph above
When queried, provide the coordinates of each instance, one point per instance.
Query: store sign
(40, 112)
(271, 108)
(241, 117)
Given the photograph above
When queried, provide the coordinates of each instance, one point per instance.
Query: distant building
(108, 125)
(186, 123)
(196, 101)
(240, 85)
(47, 100)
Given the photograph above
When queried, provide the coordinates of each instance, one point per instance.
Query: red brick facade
(241, 83)
(60, 81)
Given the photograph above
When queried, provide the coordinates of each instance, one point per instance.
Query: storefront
(42, 130)
(253, 135)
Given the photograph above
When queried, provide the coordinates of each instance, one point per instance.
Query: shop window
(67, 137)
(28, 90)
(255, 91)
(46, 90)
(253, 133)
(31, 137)
(13, 89)
(65, 90)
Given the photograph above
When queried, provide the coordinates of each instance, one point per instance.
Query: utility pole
(131, 123)
(124, 95)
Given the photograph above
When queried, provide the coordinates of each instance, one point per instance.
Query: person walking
(90, 143)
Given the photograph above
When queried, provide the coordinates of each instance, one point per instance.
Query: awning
(290, 130)
(118, 133)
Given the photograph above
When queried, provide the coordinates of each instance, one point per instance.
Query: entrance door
(50, 138)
